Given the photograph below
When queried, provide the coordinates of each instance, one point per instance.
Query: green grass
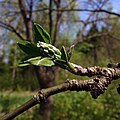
(9, 101)
(67, 105)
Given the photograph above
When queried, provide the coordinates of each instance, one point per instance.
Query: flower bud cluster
(49, 50)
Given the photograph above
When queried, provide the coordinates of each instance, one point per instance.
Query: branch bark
(96, 86)
(113, 72)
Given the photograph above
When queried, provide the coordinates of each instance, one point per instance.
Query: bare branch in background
(81, 10)
(57, 23)
(27, 19)
(50, 18)
(86, 22)
(31, 8)
(96, 20)
(12, 29)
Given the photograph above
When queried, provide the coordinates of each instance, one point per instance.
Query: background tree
(61, 19)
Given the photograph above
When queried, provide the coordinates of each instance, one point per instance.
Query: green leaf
(29, 48)
(61, 63)
(41, 62)
(64, 54)
(23, 64)
(40, 34)
(69, 53)
(28, 60)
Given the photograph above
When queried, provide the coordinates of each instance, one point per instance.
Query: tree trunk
(95, 54)
(46, 76)
(57, 24)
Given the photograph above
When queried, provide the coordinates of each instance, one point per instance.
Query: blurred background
(92, 26)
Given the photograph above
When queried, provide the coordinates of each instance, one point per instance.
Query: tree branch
(50, 18)
(23, 10)
(86, 22)
(31, 9)
(12, 29)
(71, 10)
(80, 10)
(57, 23)
(27, 14)
(20, 110)
(95, 86)
(90, 37)
(113, 72)
(96, 20)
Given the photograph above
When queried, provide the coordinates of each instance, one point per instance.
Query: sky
(116, 5)
(73, 29)
(115, 8)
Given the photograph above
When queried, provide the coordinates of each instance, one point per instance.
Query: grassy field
(10, 100)
(68, 105)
